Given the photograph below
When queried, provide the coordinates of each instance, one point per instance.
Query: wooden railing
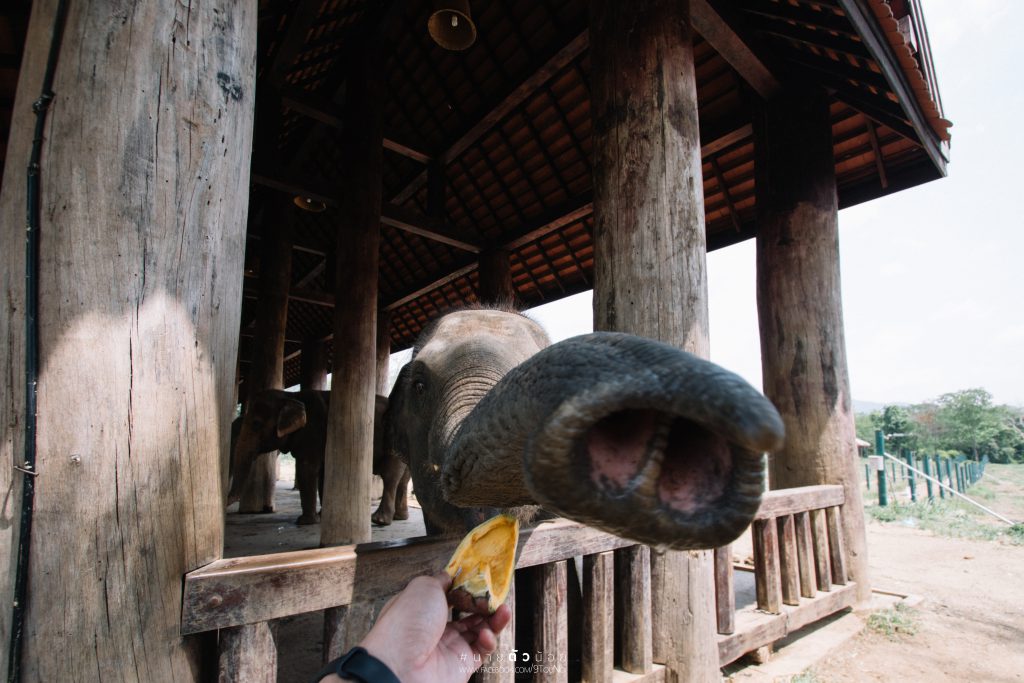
(798, 561)
(799, 569)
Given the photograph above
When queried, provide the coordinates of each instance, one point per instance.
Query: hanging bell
(451, 26)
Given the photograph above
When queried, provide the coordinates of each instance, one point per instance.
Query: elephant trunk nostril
(653, 454)
(697, 469)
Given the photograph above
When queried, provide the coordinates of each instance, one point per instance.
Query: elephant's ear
(291, 417)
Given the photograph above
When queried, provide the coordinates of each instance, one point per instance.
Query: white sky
(932, 276)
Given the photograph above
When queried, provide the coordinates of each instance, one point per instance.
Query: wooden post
(822, 558)
(650, 271)
(767, 580)
(788, 565)
(725, 594)
(633, 607)
(938, 476)
(313, 365)
(144, 183)
(494, 284)
(498, 667)
(803, 349)
(248, 653)
(805, 554)
(349, 464)
(598, 617)
(383, 350)
(267, 370)
(346, 514)
(550, 623)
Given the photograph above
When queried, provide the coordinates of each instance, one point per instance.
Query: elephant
(296, 423)
(619, 432)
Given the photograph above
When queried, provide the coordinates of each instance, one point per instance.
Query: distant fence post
(938, 475)
(911, 475)
(926, 462)
(949, 472)
(883, 493)
(867, 475)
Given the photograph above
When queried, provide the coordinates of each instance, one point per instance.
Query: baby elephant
(296, 423)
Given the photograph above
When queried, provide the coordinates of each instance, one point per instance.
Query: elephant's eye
(419, 386)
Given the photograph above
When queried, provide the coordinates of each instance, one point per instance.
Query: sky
(933, 276)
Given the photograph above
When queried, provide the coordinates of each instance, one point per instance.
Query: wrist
(358, 664)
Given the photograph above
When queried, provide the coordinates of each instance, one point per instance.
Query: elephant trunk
(622, 433)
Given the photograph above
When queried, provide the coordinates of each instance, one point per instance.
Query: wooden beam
(416, 223)
(709, 24)
(308, 296)
(326, 112)
(568, 213)
(431, 286)
(295, 188)
(393, 144)
(392, 215)
(726, 140)
(877, 150)
(247, 590)
(513, 99)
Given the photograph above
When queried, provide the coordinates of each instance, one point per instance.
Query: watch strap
(359, 665)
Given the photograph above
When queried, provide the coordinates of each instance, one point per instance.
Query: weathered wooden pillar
(267, 368)
(313, 365)
(383, 350)
(346, 514)
(494, 283)
(346, 508)
(803, 351)
(144, 184)
(650, 273)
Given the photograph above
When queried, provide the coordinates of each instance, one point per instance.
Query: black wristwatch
(359, 665)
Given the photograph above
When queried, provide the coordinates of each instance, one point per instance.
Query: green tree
(866, 424)
(969, 422)
(898, 428)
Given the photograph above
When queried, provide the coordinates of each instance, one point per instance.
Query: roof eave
(881, 51)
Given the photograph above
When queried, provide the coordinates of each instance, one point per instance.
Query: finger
(500, 619)
(444, 580)
(471, 620)
(387, 606)
(486, 642)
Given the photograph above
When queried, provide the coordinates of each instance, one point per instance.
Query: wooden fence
(799, 567)
(799, 570)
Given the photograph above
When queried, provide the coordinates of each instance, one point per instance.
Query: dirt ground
(969, 622)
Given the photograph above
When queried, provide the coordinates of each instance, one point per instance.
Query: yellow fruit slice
(483, 565)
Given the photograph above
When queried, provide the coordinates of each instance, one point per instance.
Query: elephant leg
(394, 472)
(402, 494)
(306, 470)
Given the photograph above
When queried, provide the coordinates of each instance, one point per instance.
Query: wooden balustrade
(800, 572)
(799, 568)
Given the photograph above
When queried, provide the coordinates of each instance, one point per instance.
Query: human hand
(414, 638)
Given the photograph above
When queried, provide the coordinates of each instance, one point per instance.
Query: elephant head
(625, 434)
(269, 420)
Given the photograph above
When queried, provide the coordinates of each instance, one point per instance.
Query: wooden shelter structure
(187, 252)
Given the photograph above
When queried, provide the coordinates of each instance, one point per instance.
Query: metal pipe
(28, 466)
(953, 491)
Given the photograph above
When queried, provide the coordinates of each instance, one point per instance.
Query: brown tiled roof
(508, 123)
